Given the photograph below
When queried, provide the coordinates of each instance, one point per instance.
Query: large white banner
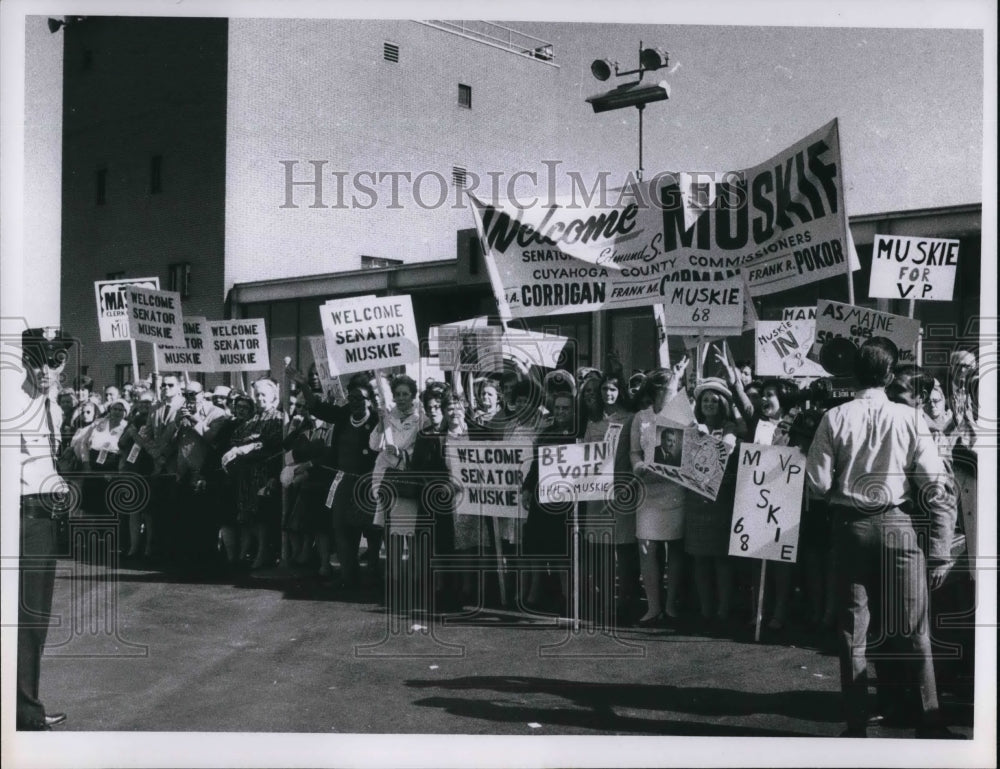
(781, 222)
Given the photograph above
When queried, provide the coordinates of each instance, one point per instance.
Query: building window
(156, 174)
(101, 186)
(125, 374)
(378, 262)
(390, 52)
(179, 279)
(459, 176)
(115, 275)
(465, 96)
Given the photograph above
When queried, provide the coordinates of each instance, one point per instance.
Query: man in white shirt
(43, 354)
(873, 461)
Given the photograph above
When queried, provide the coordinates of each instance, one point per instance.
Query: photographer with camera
(199, 424)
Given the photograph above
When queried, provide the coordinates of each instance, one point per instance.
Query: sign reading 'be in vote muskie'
(913, 268)
(155, 316)
(239, 344)
(768, 504)
(369, 332)
(576, 472)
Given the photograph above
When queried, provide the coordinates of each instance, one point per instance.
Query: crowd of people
(234, 479)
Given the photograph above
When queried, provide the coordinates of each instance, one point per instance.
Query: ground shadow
(598, 701)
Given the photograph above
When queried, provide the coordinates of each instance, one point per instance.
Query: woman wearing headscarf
(254, 461)
(706, 522)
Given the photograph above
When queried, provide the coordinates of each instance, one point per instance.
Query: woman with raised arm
(706, 523)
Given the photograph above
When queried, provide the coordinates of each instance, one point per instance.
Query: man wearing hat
(220, 398)
(199, 424)
(43, 353)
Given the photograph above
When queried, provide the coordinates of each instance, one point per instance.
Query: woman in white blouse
(393, 438)
(96, 446)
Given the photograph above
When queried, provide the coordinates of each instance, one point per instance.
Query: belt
(854, 514)
(38, 506)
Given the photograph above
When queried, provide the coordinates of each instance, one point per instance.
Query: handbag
(405, 484)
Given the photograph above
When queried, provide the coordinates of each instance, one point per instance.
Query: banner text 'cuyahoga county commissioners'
(781, 222)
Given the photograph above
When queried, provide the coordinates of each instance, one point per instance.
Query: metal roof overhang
(387, 280)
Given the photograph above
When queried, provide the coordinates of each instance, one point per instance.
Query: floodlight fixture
(602, 69)
(636, 94)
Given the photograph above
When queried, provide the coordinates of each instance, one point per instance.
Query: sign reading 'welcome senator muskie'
(781, 222)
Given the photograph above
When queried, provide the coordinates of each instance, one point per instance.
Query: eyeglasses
(169, 384)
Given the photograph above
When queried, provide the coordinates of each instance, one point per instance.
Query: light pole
(635, 94)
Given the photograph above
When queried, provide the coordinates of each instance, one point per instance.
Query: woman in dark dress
(546, 533)
(254, 462)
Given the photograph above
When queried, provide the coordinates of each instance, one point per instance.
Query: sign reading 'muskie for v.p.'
(781, 222)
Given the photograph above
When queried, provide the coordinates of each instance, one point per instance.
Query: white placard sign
(768, 506)
(798, 313)
(240, 344)
(155, 316)
(781, 347)
(333, 388)
(913, 268)
(196, 355)
(112, 306)
(369, 332)
(489, 475)
(534, 348)
(713, 306)
(576, 472)
(836, 319)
